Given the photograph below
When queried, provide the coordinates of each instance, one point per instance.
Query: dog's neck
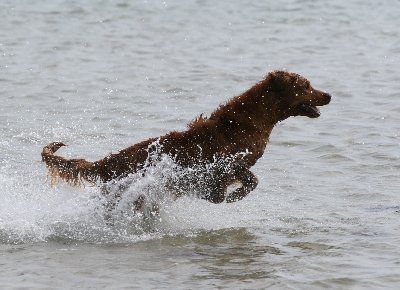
(256, 110)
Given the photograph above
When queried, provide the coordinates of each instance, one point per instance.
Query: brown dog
(236, 132)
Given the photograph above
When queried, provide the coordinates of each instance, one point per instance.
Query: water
(103, 75)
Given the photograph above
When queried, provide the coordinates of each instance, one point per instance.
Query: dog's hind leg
(145, 207)
(138, 204)
(249, 182)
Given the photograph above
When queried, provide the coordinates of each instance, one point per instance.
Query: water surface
(103, 75)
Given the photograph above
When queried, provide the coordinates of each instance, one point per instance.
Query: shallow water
(101, 76)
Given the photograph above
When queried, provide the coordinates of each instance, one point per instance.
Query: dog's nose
(328, 97)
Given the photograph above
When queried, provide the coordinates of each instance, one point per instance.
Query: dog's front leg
(249, 182)
(215, 191)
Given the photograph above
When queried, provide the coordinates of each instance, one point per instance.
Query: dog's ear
(280, 80)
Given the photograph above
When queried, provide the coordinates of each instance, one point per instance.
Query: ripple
(337, 157)
(312, 246)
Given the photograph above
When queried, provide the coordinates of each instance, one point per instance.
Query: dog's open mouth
(310, 111)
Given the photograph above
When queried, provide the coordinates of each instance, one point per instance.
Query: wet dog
(237, 133)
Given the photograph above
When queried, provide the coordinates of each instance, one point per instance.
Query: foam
(32, 211)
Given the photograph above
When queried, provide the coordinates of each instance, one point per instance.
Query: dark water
(105, 74)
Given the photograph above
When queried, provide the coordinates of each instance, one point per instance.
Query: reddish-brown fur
(243, 124)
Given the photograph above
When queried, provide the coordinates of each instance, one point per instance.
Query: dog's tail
(73, 171)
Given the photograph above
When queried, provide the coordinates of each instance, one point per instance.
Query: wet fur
(243, 124)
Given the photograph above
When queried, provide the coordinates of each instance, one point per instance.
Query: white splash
(32, 211)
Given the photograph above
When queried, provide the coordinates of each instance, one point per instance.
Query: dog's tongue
(311, 111)
(315, 110)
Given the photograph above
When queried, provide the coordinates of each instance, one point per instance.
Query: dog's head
(295, 95)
